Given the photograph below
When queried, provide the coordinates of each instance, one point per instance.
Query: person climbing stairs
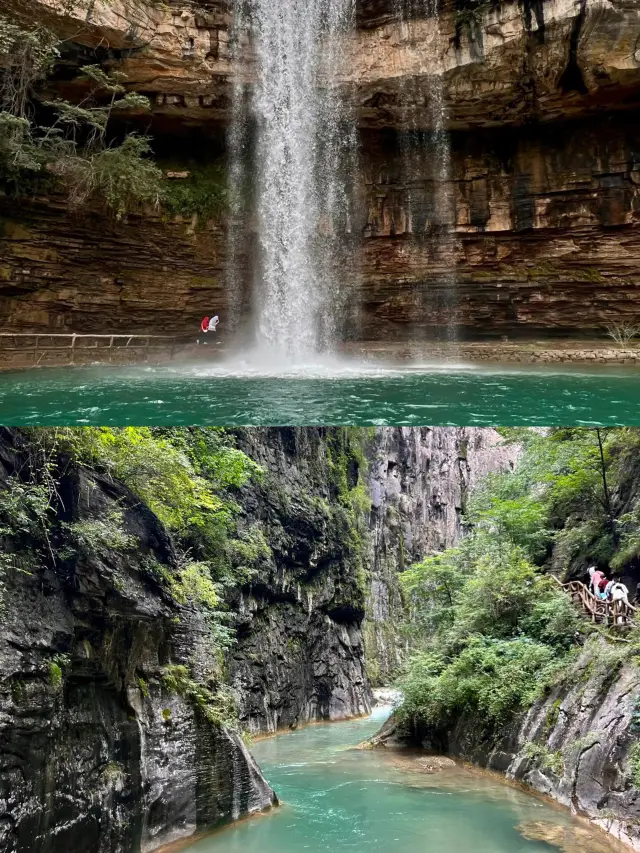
(618, 612)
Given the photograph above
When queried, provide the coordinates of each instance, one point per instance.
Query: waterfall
(426, 154)
(292, 139)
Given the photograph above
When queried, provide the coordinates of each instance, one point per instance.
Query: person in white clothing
(213, 323)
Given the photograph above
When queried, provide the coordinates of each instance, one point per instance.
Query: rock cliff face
(419, 481)
(300, 655)
(542, 232)
(574, 745)
(101, 746)
(96, 752)
(66, 272)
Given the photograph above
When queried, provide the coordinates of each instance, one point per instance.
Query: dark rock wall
(300, 655)
(95, 753)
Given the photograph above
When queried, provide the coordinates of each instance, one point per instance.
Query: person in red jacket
(204, 328)
(598, 582)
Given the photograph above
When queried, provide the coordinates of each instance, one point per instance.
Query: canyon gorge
(108, 739)
(132, 685)
(539, 101)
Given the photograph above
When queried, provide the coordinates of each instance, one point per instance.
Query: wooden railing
(616, 613)
(35, 349)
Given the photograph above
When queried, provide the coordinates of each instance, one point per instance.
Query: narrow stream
(337, 798)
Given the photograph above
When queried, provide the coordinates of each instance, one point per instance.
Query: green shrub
(634, 763)
(544, 757)
(120, 176)
(99, 536)
(56, 670)
(25, 509)
(202, 194)
(123, 177)
(55, 675)
(490, 678)
(218, 707)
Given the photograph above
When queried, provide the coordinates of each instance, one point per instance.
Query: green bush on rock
(491, 631)
(74, 151)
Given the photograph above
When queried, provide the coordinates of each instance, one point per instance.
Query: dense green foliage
(348, 465)
(185, 476)
(203, 194)
(188, 479)
(491, 629)
(71, 147)
(72, 150)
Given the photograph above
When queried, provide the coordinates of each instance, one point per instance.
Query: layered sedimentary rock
(545, 234)
(420, 479)
(501, 62)
(69, 271)
(96, 751)
(542, 235)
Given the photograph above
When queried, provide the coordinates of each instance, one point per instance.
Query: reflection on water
(266, 392)
(345, 800)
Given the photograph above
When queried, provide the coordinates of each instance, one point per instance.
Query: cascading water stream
(298, 159)
(426, 154)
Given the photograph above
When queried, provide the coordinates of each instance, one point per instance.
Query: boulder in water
(570, 839)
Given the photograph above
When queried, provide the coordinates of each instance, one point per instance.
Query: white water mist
(303, 140)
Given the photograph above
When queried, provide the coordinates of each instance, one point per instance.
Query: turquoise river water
(338, 799)
(334, 394)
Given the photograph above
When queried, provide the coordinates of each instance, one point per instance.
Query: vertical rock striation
(99, 750)
(419, 480)
(300, 654)
(96, 753)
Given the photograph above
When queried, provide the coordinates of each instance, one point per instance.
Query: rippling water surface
(339, 799)
(327, 393)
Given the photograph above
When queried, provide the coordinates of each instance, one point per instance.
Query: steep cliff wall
(419, 481)
(113, 733)
(70, 272)
(300, 655)
(98, 750)
(543, 231)
(578, 745)
(543, 237)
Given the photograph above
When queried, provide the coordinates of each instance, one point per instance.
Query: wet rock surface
(300, 654)
(95, 752)
(570, 839)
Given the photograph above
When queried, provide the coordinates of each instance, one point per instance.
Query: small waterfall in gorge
(426, 154)
(292, 133)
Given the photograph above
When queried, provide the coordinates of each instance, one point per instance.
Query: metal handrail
(39, 347)
(71, 335)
